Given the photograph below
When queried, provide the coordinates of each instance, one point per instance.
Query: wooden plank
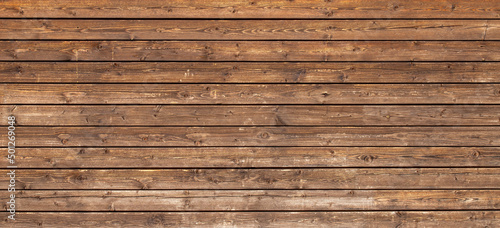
(254, 115)
(245, 179)
(322, 51)
(159, 94)
(255, 200)
(253, 136)
(250, 157)
(403, 219)
(250, 9)
(249, 72)
(250, 29)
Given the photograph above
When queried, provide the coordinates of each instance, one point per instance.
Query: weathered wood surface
(159, 94)
(255, 157)
(250, 29)
(252, 115)
(256, 200)
(402, 219)
(245, 113)
(245, 179)
(254, 136)
(250, 9)
(322, 51)
(249, 72)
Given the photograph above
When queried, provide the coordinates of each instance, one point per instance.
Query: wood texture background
(247, 113)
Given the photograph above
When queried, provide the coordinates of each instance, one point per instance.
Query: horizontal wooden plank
(244, 179)
(254, 136)
(402, 219)
(249, 157)
(250, 29)
(249, 9)
(255, 200)
(249, 72)
(158, 94)
(289, 115)
(322, 51)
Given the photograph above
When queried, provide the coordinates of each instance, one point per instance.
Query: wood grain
(250, 9)
(244, 113)
(251, 157)
(253, 136)
(322, 51)
(252, 115)
(159, 94)
(250, 29)
(256, 200)
(249, 72)
(403, 219)
(246, 179)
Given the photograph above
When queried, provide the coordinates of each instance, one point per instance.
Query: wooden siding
(306, 113)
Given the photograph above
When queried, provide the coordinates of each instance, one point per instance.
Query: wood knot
(184, 94)
(156, 220)
(474, 155)
(367, 158)
(264, 135)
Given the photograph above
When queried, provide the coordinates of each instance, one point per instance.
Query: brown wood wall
(248, 113)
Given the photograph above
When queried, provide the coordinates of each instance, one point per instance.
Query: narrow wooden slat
(289, 115)
(249, 72)
(245, 179)
(402, 219)
(241, 157)
(255, 200)
(323, 51)
(250, 94)
(254, 136)
(250, 30)
(250, 9)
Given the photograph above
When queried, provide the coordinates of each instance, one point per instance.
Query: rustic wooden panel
(250, 94)
(250, 9)
(250, 29)
(289, 115)
(254, 136)
(249, 72)
(252, 113)
(249, 51)
(260, 200)
(368, 178)
(402, 219)
(242, 157)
